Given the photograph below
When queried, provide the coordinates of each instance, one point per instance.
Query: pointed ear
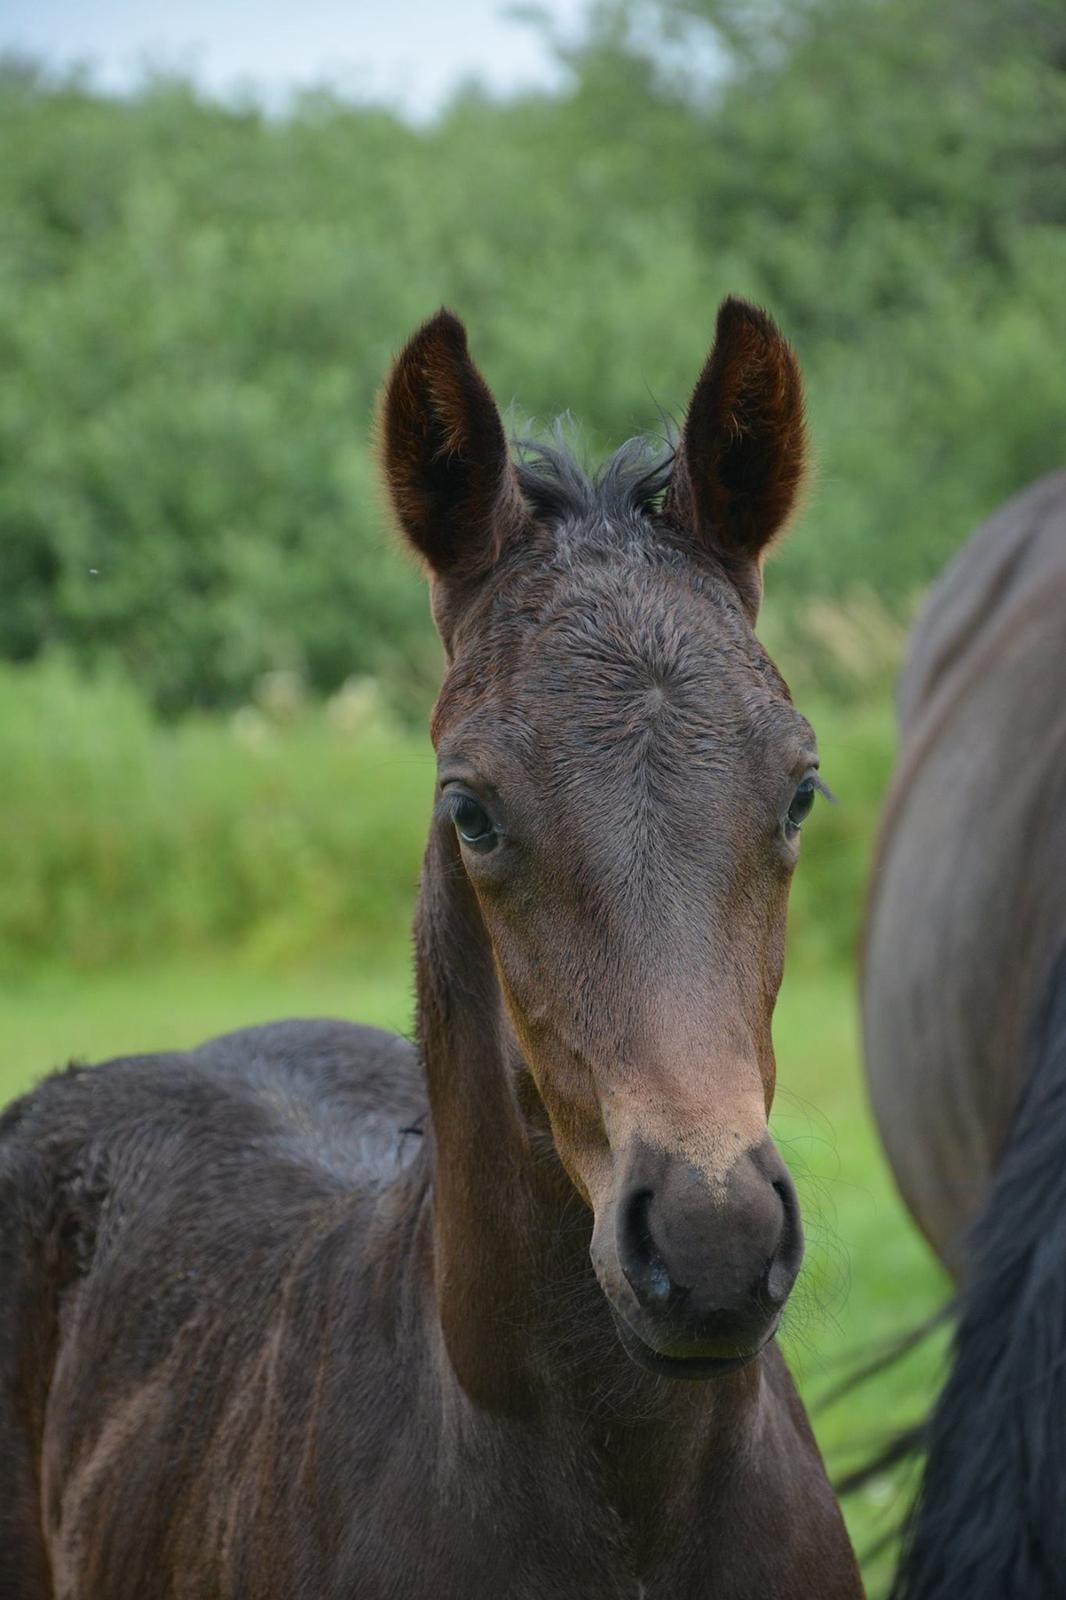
(741, 458)
(444, 453)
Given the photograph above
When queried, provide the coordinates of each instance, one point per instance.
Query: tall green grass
(275, 835)
(286, 832)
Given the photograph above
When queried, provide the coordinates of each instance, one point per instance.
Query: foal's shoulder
(291, 1111)
(350, 1097)
(353, 1069)
(272, 1077)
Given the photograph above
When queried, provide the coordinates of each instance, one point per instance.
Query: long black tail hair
(989, 1520)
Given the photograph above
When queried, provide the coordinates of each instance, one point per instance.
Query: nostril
(641, 1261)
(779, 1281)
(782, 1269)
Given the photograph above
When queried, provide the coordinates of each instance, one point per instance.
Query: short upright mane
(557, 488)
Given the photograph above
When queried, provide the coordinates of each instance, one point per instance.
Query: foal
(258, 1337)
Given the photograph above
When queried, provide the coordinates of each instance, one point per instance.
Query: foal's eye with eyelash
(800, 807)
(472, 823)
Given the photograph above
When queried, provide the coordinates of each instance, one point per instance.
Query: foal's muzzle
(704, 1266)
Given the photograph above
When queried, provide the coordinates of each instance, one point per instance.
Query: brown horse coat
(968, 899)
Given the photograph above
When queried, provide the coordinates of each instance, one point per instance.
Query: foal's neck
(525, 1324)
(489, 1199)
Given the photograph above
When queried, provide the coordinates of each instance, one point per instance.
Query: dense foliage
(197, 305)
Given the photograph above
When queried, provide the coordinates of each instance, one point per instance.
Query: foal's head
(624, 777)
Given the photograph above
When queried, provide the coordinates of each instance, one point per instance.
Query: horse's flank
(965, 1024)
(966, 899)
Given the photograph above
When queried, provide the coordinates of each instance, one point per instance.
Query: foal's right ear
(444, 454)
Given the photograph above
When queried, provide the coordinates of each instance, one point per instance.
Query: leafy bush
(197, 305)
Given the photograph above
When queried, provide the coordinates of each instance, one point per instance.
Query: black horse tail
(989, 1520)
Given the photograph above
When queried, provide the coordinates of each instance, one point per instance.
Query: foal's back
(155, 1212)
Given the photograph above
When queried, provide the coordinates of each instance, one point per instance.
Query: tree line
(198, 302)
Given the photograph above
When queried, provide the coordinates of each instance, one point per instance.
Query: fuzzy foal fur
(315, 1312)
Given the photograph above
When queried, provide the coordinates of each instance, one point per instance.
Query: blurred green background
(214, 664)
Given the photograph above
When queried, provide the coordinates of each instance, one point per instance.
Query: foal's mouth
(695, 1367)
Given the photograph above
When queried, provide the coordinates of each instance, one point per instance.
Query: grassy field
(867, 1275)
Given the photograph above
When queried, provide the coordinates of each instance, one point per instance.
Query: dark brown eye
(800, 808)
(472, 823)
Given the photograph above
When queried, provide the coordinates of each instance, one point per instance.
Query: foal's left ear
(741, 459)
(444, 453)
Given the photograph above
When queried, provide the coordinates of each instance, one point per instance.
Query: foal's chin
(694, 1366)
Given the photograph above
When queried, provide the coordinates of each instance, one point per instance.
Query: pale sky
(411, 52)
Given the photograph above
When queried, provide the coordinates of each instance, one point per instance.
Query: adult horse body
(964, 1005)
(258, 1336)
